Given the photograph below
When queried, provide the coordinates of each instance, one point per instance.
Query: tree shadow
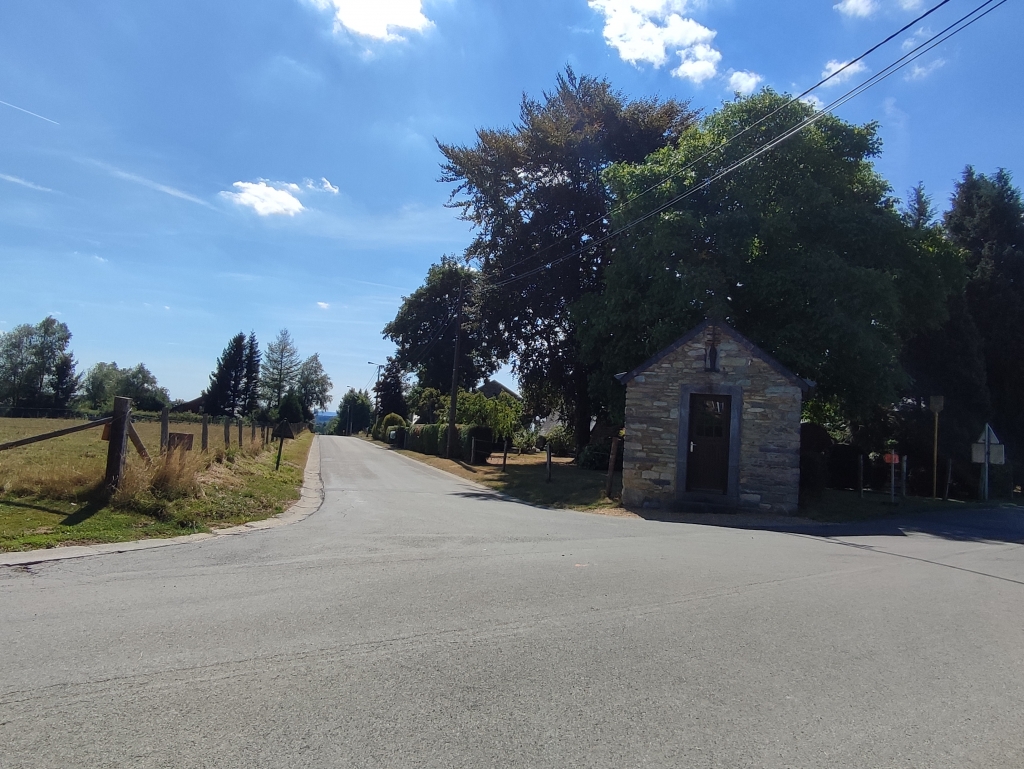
(31, 506)
(84, 513)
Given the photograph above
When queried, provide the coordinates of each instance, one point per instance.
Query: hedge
(430, 439)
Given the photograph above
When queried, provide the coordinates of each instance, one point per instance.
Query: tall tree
(314, 386)
(804, 252)
(227, 391)
(16, 365)
(390, 390)
(535, 194)
(251, 389)
(279, 369)
(140, 384)
(425, 328)
(987, 221)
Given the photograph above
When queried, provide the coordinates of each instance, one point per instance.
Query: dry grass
(71, 467)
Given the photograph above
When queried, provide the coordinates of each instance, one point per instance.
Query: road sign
(996, 450)
(892, 459)
(936, 403)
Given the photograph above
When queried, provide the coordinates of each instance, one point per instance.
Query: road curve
(418, 621)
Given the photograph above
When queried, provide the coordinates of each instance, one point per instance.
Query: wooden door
(707, 462)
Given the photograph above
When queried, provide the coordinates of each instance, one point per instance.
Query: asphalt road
(416, 621)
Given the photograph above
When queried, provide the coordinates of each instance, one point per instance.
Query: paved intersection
(416, 621)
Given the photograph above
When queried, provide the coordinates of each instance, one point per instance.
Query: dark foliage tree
(390, 390)
(424, 329)
(279, 369)
(535, 194)
(227, 391)
(139, 384)
(290, 409)
(986, 220)
(355, 412)
(251, 390)
(313, 386)
(803, 251)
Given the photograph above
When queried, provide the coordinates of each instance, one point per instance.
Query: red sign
(892, 459)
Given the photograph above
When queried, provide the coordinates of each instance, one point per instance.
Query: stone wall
(769, 434)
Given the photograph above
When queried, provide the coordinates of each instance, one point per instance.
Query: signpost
(892, 459)
(936, 403)
(987, 451)
(282, 431)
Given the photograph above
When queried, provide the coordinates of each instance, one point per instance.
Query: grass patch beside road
(51, 496)
(571, 487)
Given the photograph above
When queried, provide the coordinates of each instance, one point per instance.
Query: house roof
(689, 336)
(492, 389)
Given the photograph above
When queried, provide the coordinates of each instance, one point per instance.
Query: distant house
(194, 406)
(712, 422)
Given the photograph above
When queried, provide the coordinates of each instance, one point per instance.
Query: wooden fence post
(206, 432)
(612, 457)
(903, 480)
(472, 451)
(118, 446)
(504, 456)
(547, 445)
(165, 429)
(253, 432)
(239, 433)
(227, 433)
(860, 475)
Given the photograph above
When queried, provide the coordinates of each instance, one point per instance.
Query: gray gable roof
(696, 331)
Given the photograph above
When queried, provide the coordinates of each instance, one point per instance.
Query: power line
(734, 137)
(953, 29)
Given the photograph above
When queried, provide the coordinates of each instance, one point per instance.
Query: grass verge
(571, 487)
(843, 506)
(46, 508)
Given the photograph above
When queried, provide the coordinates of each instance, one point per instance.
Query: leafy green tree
(226, 394)
(535, 194)
(36, 368)
(139, 384)
(986, 220)
(390, 390)
(803, 251)
(427, 402)
(425, 327)
(355, 412)
(505, 415)
(314, 386)
(279, 369)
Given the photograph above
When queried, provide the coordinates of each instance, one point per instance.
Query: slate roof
(725, 328)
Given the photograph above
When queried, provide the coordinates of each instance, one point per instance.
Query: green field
(51, 492)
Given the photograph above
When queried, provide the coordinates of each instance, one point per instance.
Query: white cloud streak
(28, 112)
(24, 183)
(376, 19)
(130, 177)
(323, 305)
(832, 66)
(921, 71)
(652, 31)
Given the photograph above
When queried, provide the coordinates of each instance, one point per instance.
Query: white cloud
(813, 100)
(321, 186)
(264, 199)
(916, 39)
(833, 66)
(23, 183)
(652, 30)
(744, 83)
(323, 305)
(921, 71)
(860, 8)
(376, 19)
(864, 8)
(100, 259)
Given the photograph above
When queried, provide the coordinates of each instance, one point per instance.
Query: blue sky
(194, 169)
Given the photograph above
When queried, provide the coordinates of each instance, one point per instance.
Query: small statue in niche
(711, 351)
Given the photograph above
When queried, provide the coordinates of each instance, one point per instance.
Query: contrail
(33, 114)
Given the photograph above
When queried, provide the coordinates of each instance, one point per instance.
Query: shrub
(561, 440)
(423, 438)
(484, 437)
(391, 420)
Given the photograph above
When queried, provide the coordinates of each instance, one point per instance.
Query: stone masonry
(769, 430)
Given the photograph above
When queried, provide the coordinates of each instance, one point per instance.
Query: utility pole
(936, 404)
(450, 448)
(376, 391)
